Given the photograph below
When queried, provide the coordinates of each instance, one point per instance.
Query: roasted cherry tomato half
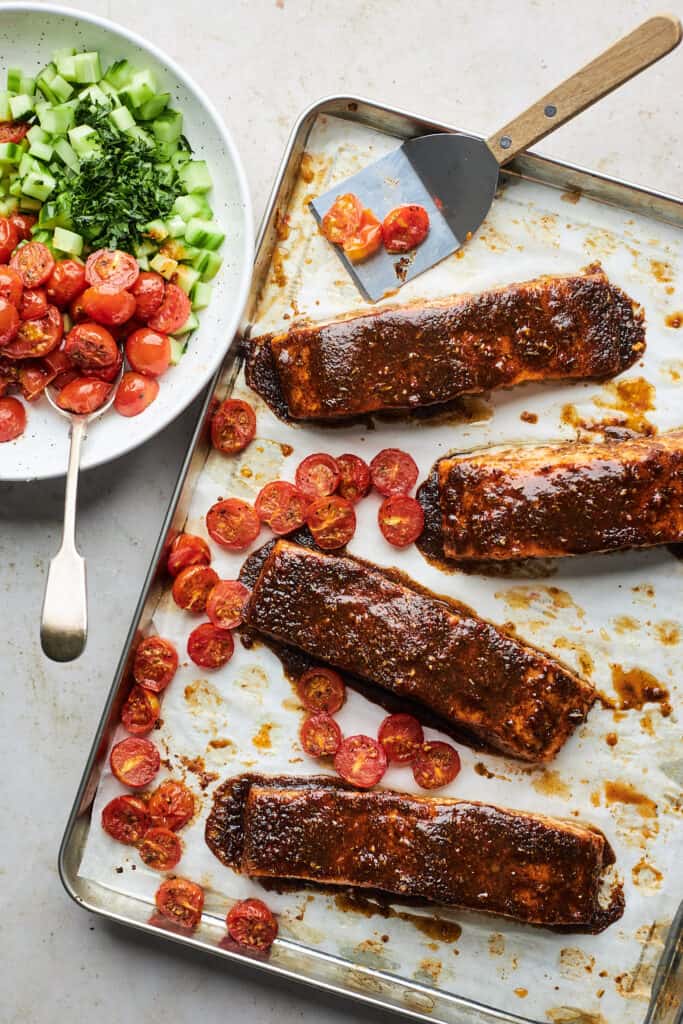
(33, 262)
(321, 689)
(180, 901)
(33, 379)
(366, 240)
(210, 647)
(148, 292)
(317, 476)
(160, 849)
(393, 472)
(66, 282)
(361, 760)
(233, 524)
(13, 131)
(36, 338)
(281, 506)
(171, 805)
(83, 395)
(11, 285)
(401, 519)
(251, 924)
(173, 311)
(90, 346)
(134, 762)
(106, 307)
(342, 219)
(108, 373)
(23, 222)
(12, 419)
(134, 393)
(148, 351)
(354, 477)
(405, 228)
(33, 304)
(233, 426)
(140, 713)
(187, 549)
(402, 738)
(155, 664)
(331, 521)
(320, 735)
(111, 267)
(125, 819)
(192, 586)
(9, 239)
(226, 603)
(9, 322)
(436, 764)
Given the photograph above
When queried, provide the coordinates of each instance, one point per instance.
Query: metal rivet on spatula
(505, 142)
(550, 110)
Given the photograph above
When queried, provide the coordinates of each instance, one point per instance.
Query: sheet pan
(603, 615)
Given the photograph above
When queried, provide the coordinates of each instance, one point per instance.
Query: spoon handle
(64, 621)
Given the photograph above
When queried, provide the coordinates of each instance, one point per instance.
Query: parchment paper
(595, 612)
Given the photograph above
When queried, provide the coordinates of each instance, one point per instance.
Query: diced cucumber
(180, 158)
(178, 249)
(208, 264)
(28, 85)
(21, 105)
(61, 88)
(56, 120)
(122, 118)
(168, 126)
(14, 79)
(201, 295)
(178, 347)
(156, 229)
(37, 185)
(8, 205)
(5, 112)
(145, 248)
(84, 140)
(53, 216)
(205, 233)
(195, 176)
(119, 74)
(41, 150)
(176, 226)
(67, 241)
(27, 164)
(11, 152)
(95, 95)
(166, 151)
(166, 173)
(66, 66)
(15, 188)
(187, 207)
(139, 90)
(42, 236)
(186, 277)
(191, 324)
(143, 262)
(30, 205)
(44, 83)
(82, 68)
(64, 51)
(109, 91)
(37, 134)
(164, 265)
(136, 132)
(65, 153)
(154, 106)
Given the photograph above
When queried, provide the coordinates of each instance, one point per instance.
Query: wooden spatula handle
(635, 52)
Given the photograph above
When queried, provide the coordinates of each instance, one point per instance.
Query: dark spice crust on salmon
(563, 499)
(387, 629)
(457, 853)
(552, 328)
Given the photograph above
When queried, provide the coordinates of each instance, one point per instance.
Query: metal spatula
(454, 177)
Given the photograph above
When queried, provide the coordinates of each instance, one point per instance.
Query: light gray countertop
(262, 62)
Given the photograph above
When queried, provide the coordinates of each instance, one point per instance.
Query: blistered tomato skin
(107, 307)
(180, 901)
(320, 735)
(36, 338)
(148, 351)
(148, 292)
(140, 713)
(9, 322)
(233, 426)
(125, 819)
(281, 506)
(9, 238)
(173, 311)
(12, 419)
(90, 346)
(250, 923)
(160, 849)
(317, 476)
(34, 263)
(171, 805)
(134, 393)
(187, 549)
(111, 267)
(83, 395)
(404, 228)
(66, 282)
(11, 285)
(33, 304)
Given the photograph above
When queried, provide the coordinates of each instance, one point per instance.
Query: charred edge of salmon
(224, 835)
(619, 340)
(545, 747)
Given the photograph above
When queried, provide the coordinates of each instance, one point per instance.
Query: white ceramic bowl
(29, 33)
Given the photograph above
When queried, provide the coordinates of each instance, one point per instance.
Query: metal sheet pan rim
(536, 162)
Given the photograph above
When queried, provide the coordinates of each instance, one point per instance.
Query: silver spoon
(64, 619)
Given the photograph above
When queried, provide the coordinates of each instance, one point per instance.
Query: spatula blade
(453, 176)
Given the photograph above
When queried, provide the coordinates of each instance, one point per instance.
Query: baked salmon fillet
(382, 627)
(429, 353)
(455, 853)
(563, 499)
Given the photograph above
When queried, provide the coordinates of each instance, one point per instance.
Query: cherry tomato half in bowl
(126, 819)
(90, 346)
(148, 351)
(23, 222)
(181, 902)
(33, 262)
(173, 311)
(9, 322)
(155, 663)
(11, 285)
(134, 393)
(134, 762)
(106, 307)
(111, 267)
(36, 338)
(83, 395)
(148, 292)
(12, 419)
(9, 238)
(33, 304)
(66, 282)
